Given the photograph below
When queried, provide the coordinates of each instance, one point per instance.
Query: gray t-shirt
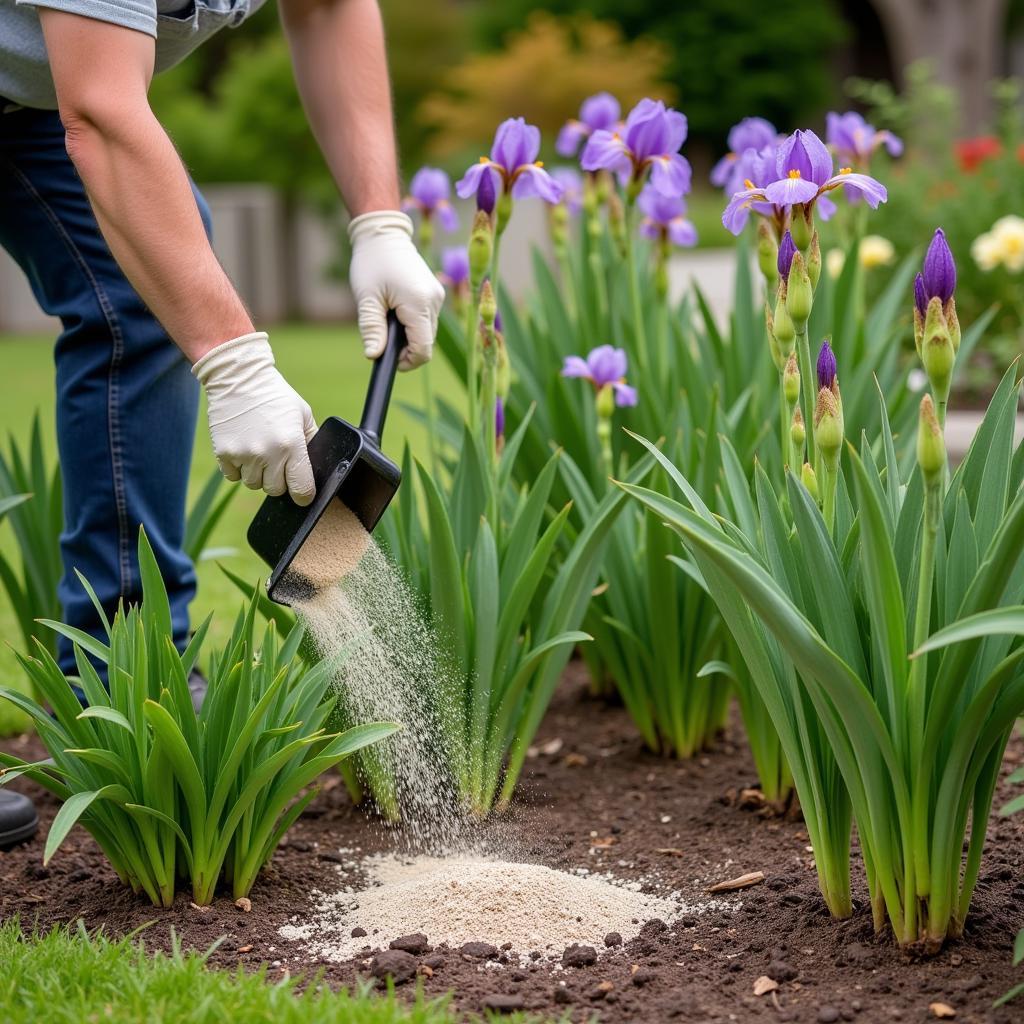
(178, 26)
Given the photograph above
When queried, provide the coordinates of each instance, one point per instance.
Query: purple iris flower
(803, 175)
(854, 141)
(664, 217)
(455, 265)
(428, 193)
(572, 188)
(513, 163)
(598, 113)
(605, 366)
(499, 418)
(651, 137)
(787, 250)
(826, 366)
(751, 133)
(938, 279)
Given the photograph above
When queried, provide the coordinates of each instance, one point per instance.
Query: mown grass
(324, 363)
(67, 976)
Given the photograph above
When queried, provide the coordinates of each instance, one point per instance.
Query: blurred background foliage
(459, 68)
(542, 72)
(965, 185)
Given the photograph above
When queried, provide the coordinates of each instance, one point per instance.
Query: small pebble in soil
(779, 970)
(499, 1003)
(358, 933)
(828, 1015)
(416, 943)
(394, 963)
(643, 976)
(434, 961)
(577, 955)
(613, 939)
(479, 950)
(562, 995)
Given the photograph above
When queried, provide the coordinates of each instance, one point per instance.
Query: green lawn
(66, 978)
(325, 364)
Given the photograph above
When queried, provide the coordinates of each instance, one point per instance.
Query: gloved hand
(388, 273)
(259, 424)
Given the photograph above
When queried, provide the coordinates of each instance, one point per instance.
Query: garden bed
(599, 802)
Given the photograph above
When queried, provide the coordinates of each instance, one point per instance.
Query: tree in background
(542, 73)
(234, 112)
(727, 59)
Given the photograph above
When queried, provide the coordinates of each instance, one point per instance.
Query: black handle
(382, 379)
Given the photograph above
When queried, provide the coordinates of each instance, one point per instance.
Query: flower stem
(472, 362)
(918, 682)
(634, 289)
(808, 375)
(785, 422)
(828, 494)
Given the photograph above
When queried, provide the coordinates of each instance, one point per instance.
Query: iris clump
(877, 633)
(175, 798)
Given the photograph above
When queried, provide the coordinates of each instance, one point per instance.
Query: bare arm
(136, 183)
(341, 69)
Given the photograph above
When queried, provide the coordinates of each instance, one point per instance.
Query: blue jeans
(126, 400)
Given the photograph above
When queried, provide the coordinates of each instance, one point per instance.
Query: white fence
(285, 265)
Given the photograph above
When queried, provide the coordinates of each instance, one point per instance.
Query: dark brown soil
(601, 802)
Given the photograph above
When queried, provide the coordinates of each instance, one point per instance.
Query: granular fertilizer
(353, 599)
(455, 900)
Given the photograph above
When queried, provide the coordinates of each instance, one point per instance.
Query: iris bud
(828, 426)
(797, 430)
(426, 232)
(931, 446)
(488, 304)
(810, 481)
(504, 209)
(799, 294)
(559, 223)
(791, 380)
(814, 261)
(617, 222)
(801, 226)
(767, 253)
(591, 198)
(937, 353)
(783, 331)
(953, 323)
(504, 374)
(481, 246)
(605, 402)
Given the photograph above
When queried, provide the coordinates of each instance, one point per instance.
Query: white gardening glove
(388, 273)
(259, 424)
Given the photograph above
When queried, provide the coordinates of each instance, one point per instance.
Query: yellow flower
(834, 260)
(1009, 231)
(986, 252)
(875, 251)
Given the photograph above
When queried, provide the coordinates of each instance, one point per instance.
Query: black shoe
(18, 819)
(197, 686)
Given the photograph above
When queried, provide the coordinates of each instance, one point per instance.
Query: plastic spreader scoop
(347, 465)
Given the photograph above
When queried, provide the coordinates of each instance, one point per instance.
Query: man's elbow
(93, 123)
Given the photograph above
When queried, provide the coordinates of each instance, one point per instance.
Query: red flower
(972, 153)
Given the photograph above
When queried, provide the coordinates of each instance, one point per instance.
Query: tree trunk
(961, 37)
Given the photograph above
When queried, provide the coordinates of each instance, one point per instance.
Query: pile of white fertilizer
(455, 900)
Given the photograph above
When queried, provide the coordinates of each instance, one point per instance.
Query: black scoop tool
(348, 465)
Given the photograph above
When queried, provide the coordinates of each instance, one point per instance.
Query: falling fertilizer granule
(464, 899)
(353, 600)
